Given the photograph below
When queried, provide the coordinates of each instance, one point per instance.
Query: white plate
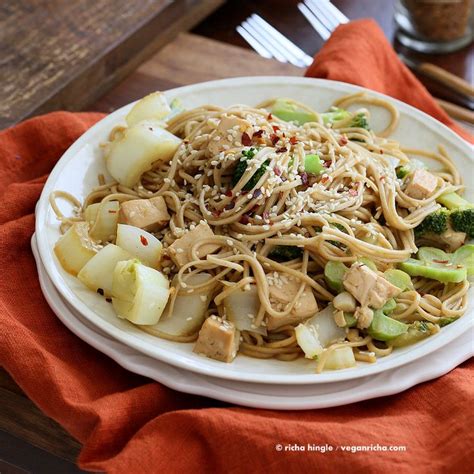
(269, 396)
(77, 172)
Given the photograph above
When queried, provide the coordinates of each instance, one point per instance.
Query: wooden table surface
(187, 59)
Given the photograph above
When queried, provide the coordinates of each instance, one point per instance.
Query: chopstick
(448, 79)
(456, 111)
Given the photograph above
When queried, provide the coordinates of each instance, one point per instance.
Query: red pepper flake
(343, 141)
(143, 240)
(257, 134)
(421, 293)
(382, 179)
(282, 149)
(324, 179)
(277, 171)
(109, 300)
(246, 140)
(257, 193)
(326, 164)
(229, 193)
(273, 138)
(216, 213)
(230, 206)
(293, 140)
(441, 261)
(100, 291)
(275, 128)
(353, 192)
(265, 215)
(269, 117)
(245, 219)
(381, 151)
(111, 211)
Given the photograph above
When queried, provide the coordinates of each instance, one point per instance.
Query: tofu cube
(218, 339)
(224, 129)
(283, 289)
(367, 287)
(180, 249)
(422, 184)
(148, 214)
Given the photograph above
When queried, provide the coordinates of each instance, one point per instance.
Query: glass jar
(434, 26)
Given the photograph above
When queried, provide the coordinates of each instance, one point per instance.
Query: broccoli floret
(434, 223)
(334, 115)
(445, 321)
(242, 166)
(402, 171)
(360, 121)
(283, 253)
(463, 221)
(461, 213)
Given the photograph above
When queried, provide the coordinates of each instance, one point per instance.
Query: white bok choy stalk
(139, 293)
(103, 219)
(318, 332)
(139, 243)
(153, 106)
(241, 308)
(74, 248)
(134, 151)
(97, 273)
(187, 314)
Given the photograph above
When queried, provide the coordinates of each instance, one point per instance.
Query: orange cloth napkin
(130, 424)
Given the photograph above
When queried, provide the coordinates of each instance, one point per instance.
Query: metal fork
(270, 43)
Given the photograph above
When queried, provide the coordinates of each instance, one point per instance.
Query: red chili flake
(143, 240)
(257, 134)
(275, 128)
(353, 192)
(229, 193)
(381, 152)
(293, 140)
(257, 193)
(245, 219)
(304, 178)
(382, 179)
(441, 261)
(282, 149)
(273, 138)
(185, 142)
(110, 211)
(343, 141)
(266, 215)
(100, 291)
(230, 206)
(269, 117)
(109, 300)
(283, 135)
(421, 293)
(326, 164)
(246, 140)
(216, 213)
(324, 179)
(277, 171)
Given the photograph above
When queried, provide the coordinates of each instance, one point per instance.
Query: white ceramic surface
(269, 396)
(77, 172)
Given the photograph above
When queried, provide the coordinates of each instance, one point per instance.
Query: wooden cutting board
(64, 54)
(187, 59)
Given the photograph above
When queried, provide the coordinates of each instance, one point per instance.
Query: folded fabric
(128, 423)
(359, 53)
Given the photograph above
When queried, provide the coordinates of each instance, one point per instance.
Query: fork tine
(297, 55)
(322, 13)
(315, 23)
(264, 41)
(258, 47)
(341, 18)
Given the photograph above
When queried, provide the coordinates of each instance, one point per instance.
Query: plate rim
(61, 285)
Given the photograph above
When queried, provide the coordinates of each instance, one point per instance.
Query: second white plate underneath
(269, 396)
